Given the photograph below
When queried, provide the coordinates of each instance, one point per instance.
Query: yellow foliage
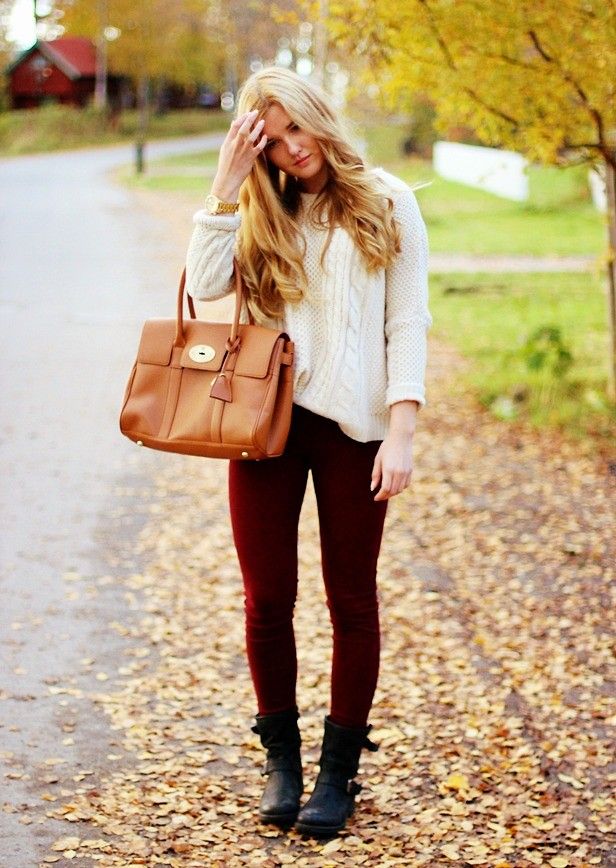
(158, 38)
(539, 78)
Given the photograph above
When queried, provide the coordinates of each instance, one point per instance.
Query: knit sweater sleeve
(209, 259)
(407, 317)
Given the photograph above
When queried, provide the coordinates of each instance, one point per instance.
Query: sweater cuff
(226, 222)
(405, 392)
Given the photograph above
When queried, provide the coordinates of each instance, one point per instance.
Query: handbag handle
(232, 340)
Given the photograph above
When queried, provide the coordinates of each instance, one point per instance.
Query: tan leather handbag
(210, 389)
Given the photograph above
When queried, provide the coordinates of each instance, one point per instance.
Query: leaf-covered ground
(496, 706)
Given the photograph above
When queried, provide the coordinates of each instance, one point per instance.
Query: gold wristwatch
(214, 205)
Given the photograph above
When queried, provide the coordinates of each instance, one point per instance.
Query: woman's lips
(303, 161)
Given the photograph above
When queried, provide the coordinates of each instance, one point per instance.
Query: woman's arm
(407, 319)
(403, 417)
(209, 260)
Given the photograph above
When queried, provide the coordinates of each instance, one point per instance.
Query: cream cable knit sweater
(360, 338)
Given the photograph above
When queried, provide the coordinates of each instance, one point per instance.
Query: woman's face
(293, 150)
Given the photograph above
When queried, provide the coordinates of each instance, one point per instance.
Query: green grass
(463, 219)
(559, 218)
(199, 158)
(55, 127)
(383, 140)
(182, 173)
(170, 184)
(489, 317)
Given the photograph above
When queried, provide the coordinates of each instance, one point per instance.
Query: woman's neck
(316, 183)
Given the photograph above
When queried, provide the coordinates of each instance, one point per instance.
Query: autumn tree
(183, 40)
(539, 78)
(153, 40)
(187, 40)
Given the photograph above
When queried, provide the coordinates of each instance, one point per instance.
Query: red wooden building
(61, 70)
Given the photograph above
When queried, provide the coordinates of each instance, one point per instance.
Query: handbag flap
(205, 346)
(156, 342)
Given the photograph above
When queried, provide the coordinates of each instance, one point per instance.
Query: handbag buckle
(201, 353)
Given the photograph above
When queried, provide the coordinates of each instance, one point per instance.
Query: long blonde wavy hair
(270, 242)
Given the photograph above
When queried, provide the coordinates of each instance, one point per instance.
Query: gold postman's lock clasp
(201, 353)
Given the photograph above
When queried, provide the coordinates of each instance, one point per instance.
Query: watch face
(211, 204)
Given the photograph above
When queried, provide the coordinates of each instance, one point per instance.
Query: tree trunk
(100, 86)
(143, 90)
(610, 183)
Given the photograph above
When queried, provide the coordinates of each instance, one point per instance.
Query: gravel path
(444, 262)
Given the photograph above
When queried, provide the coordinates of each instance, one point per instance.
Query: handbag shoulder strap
(239, 295)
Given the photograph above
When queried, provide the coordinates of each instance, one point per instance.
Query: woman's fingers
(376, 472)
(392, 484)
(256, 132)
(235, 129)
(239, 120)
(236, 124)
(244, 128)
(387, 484)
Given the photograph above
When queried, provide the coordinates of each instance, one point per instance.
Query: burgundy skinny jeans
(265, 500)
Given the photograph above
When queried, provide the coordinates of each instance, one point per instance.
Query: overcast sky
(21, 26)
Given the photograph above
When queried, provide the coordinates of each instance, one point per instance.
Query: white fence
(499, 172)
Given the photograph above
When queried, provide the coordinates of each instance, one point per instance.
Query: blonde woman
(335, 253)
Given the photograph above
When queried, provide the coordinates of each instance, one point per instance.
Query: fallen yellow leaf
(457, 781)
(66, 843)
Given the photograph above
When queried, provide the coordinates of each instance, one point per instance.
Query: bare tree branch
(437, 35)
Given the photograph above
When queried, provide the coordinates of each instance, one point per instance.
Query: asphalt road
(81, 266)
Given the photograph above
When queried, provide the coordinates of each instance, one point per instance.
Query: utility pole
(320, 43)
(100, 85)
(143, 106)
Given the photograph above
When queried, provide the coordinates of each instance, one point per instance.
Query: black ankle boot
(280, 736)
(333, 799)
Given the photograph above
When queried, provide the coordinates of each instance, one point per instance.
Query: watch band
(214, 205)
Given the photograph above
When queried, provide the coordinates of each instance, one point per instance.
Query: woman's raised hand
(240, 149)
